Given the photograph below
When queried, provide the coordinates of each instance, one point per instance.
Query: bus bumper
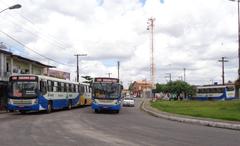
(34, 107)
(105, 107)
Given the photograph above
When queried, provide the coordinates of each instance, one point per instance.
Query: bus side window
(49, 86)
(55, 87)
(62, 87)
(65, 87)
(74, 88)
(77, 88)
(90, 89)
(82, 89)
(70, 87)
(58, 87)
(43, 87)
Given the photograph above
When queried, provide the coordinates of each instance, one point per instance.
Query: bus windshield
(106, 90)
(23, 89)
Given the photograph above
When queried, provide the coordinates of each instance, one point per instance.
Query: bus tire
(49, 107)
(69, 105)
(117, 111)
(96, 111)
(10, 111)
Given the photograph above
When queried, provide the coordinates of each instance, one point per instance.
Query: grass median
(225, 110)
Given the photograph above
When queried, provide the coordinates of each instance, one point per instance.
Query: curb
(188, 120)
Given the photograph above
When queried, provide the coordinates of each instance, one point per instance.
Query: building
(11, 64)
(139, 88)
(57, 74)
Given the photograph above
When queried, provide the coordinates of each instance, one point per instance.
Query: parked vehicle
(128, 101)
(215, 92)
(36, 92)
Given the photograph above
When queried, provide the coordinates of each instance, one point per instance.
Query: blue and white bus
(106, 94)
(36, 93)
(215, 92)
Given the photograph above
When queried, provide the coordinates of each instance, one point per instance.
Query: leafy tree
(176, 87)
(88, 79)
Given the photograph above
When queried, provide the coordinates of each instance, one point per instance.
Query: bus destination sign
(23, 78)
(107, 80)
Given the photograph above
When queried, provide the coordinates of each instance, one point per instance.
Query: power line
(39, 34)
(17, 41)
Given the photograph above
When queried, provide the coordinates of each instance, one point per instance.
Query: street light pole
(17, 6)
(238, 42)
(238, 80)
(238, 38)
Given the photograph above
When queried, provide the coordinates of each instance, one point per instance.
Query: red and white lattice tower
(150, 27)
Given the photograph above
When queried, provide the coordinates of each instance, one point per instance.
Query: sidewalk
(145, 106)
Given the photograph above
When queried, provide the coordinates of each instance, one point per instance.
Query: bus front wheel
(69, 104)
(96, 111)
(49, 107)
(10, 111)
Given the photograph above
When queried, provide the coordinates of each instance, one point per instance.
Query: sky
(191, 34)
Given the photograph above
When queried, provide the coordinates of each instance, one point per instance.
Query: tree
(88, 79)
(176, 87)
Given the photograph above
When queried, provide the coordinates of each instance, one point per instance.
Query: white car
(128, 101)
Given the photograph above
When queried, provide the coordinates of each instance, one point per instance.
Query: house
(11, 64)
(138, 88)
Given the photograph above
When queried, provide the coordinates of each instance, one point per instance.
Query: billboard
(59, 74)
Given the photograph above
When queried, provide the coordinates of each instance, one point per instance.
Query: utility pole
(78, 65)
(180, 78)
(118, 64)
(184, 74)
(223, 60)
(152, 64)
(109, 74)
(169, 76)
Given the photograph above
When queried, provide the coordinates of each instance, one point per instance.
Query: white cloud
(188, 34)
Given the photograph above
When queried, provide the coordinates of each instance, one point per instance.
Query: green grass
(225, 110)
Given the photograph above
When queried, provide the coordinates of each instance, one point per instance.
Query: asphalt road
(131, 127)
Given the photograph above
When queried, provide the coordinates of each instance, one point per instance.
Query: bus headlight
(10, 101)
(117, 102)
(35, 101)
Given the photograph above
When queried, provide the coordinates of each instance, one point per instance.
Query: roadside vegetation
(176, 88)
(225, 110)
